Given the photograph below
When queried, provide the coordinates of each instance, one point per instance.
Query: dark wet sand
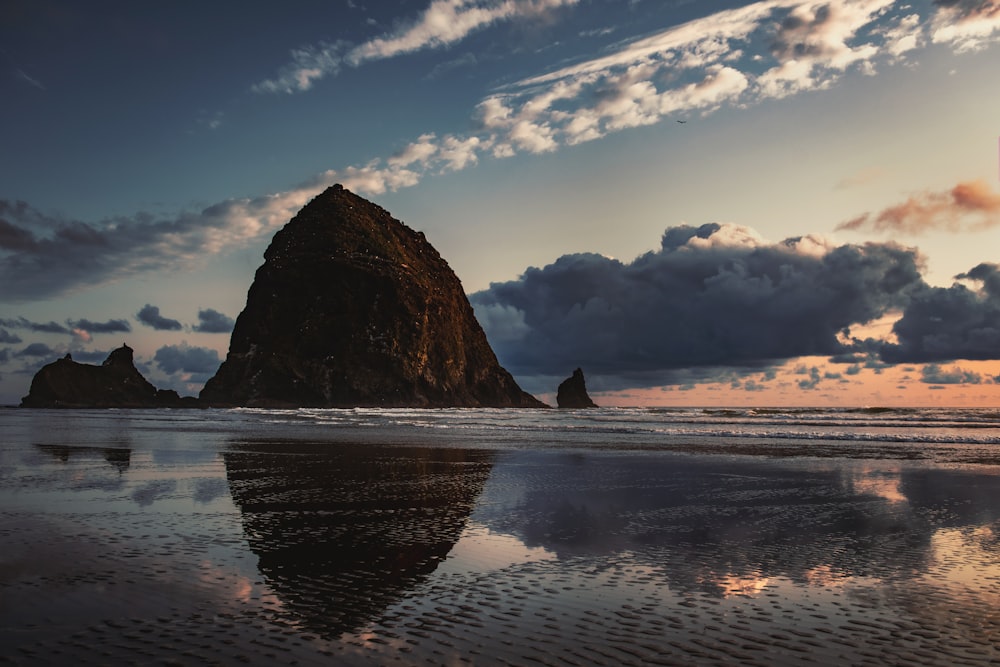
(308, 553)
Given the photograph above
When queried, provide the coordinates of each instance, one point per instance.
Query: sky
(776, 203)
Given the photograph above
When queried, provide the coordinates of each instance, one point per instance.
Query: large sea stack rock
(353, 308)
(572, 392)
(114, 384)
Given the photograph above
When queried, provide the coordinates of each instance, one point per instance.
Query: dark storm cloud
(935, 374)
(38, 327)
(711, 296)
(212, 321)
(111, 326)
(36, 350)
(43, 255)
(942, 324)
(150, 316)
(187, 359)
(8, 337)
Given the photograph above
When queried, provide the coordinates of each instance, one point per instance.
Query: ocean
(612, 536)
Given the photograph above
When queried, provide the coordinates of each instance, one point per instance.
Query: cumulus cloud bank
(957, 322)
(715, 295)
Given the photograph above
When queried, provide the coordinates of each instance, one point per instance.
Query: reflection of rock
(342, 532)
(114, 384)
(572, 392)
(353, 308)
(118, 457)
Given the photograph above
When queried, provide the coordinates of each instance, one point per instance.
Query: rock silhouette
(572, 392)
(114, 384)
(353, 308)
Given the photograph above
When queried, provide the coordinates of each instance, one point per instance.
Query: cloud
(443, 23)
(8, 337)
(43, 256)
(711, 296)
(969, 206)
(37, 327)
(150, 316)
(967, 25)
(694, 67)
(935, 374)
(212, 321)
(943, 324)
(731, 58)
(111, 326)
(36, 350)
(736, 57)
(184, 358)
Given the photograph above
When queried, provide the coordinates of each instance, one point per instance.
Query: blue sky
(565, 156)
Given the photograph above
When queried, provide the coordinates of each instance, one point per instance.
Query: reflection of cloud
(744, 584)
(881, 483)
(152, 491)
(824, 576)
(207, 490)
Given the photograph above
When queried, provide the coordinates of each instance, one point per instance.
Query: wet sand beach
(174, 539)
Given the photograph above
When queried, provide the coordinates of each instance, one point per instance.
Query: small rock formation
(114, 384)
(353, 308)
(572, 392)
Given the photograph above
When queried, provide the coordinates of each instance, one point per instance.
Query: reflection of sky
(481, 550)
(728, 526)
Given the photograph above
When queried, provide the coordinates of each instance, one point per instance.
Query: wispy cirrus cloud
(443, 23)
(969, 206)
(733, 58)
